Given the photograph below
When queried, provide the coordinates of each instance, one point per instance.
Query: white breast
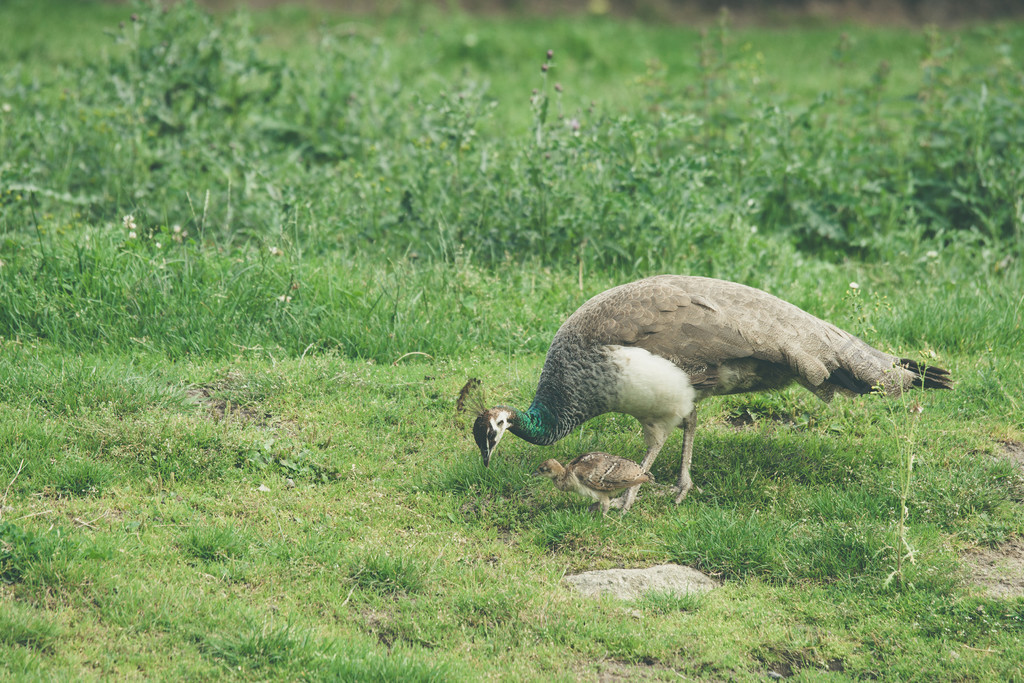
(583, 490)
(650, 387)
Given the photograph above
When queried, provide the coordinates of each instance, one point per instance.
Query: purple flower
(551, 53)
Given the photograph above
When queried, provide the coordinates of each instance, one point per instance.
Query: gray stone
(629, 584)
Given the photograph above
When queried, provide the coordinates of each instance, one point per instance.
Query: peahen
(656, 347)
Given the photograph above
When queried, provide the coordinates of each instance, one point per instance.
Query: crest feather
(471, 398)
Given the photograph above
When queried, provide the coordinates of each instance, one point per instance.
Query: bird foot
(681, 491)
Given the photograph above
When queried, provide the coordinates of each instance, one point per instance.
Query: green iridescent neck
(536, 424)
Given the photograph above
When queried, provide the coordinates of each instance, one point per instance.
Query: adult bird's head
(490, 423)
(488, 429)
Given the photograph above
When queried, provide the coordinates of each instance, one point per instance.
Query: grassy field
(247, 262)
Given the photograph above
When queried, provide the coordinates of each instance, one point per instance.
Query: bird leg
(655, 436)
(689, 430)
(603, 504)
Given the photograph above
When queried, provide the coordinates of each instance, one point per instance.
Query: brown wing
(607, 472)
(699, 323)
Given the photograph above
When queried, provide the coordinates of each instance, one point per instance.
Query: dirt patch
(224, 409)
(1014, 452)
(998, 571)
(612, 671)
(781, 662)
(381, 626)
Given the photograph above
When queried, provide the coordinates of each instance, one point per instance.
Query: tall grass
(329, 207)
(189, 123)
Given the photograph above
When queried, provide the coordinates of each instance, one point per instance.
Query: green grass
(229, 446)
(21, 626)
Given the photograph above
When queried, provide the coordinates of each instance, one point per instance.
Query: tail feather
(929, 376)
(912, 374)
